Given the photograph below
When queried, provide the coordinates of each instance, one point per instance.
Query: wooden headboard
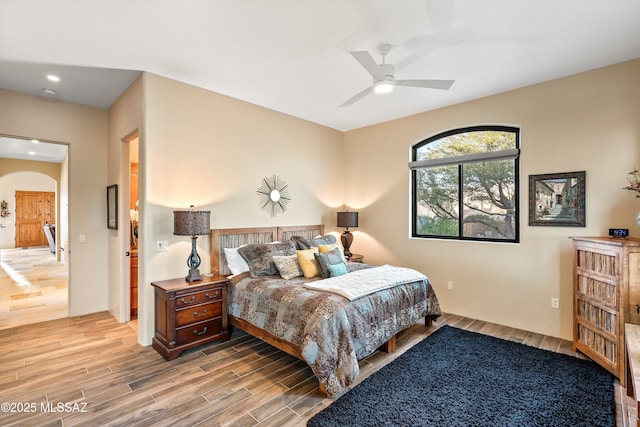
(235, 237)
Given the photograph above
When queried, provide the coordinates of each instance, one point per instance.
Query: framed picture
(112, 207)
(557, 199)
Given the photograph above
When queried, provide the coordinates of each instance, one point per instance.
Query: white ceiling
(293, 55)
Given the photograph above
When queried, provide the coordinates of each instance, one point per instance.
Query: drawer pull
(215, 295)
(204, 331)
(193, 298)
(196, 314)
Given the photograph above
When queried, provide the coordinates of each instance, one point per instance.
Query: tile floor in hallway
(33, 287)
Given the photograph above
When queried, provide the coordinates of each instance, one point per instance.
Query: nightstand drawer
(198, 331)
(198, 313)
(199, 297)
(189, 314)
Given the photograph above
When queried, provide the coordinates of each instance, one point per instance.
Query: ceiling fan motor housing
(384, 78)
(387, 71)
(384, 82)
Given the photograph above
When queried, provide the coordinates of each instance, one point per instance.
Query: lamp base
(193, 262)
(346, 238)
(194, 275)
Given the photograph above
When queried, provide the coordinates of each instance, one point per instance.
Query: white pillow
(235, 262)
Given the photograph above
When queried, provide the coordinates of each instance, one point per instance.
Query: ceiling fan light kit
(383, 86)
(384, 76)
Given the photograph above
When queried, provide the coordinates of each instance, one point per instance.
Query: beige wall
(8, 166)
(125, 119)
(589, 122)
(62, 230)
(198, 147)
(85, 130)
(211, 151)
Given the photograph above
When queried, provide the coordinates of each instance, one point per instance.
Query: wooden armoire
(606, 295)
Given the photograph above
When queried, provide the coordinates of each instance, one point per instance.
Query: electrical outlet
(162, 246)
(450, 286)
(555, 303)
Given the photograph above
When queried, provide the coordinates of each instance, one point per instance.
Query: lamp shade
(191, 223)
(347, 219)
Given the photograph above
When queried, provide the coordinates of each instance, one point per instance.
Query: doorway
(131, 145)
(34, 273)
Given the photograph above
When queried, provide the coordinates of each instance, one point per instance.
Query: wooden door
(49, 207)
(33, 210)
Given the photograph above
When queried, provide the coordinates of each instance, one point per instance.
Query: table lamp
(192, 223)
(347, 219)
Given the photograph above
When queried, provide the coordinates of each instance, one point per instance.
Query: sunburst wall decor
(273, 195)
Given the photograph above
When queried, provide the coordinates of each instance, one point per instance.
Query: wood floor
(33, 287)
(94, 366)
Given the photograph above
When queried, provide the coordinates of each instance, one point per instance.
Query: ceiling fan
(384, 76)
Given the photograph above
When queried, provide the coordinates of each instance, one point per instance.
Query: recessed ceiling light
(35, 141)
(53, 78)
(32, 153)
(49, 91)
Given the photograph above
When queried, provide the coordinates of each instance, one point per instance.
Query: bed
(328, 331)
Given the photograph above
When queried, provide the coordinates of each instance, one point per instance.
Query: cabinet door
(634, 288)
(597, 313)
(133, 283)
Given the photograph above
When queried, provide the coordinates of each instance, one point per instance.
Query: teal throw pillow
(337, 269)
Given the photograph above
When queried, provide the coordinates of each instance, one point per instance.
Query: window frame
(514, 154)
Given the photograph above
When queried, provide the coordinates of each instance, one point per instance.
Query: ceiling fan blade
(357, 97)
(366, 60)
(428, 84)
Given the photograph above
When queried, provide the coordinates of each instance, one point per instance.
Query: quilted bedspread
(332, 332)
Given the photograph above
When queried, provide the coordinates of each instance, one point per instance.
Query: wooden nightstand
(356, 258)
(189, 314)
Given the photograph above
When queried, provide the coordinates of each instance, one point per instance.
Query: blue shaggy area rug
(461, 378)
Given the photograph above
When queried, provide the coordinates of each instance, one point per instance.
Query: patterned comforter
(332, 332)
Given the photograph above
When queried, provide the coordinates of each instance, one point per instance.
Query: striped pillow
(287, 266)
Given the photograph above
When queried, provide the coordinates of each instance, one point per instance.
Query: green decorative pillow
(288, 266)
(259, 257)
(337, 269)
(325, 259)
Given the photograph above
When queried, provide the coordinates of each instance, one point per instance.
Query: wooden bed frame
(235, 237)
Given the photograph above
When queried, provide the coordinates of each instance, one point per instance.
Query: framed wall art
(557, 199)
(112, 207)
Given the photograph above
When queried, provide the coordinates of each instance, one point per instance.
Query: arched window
(465, 185)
